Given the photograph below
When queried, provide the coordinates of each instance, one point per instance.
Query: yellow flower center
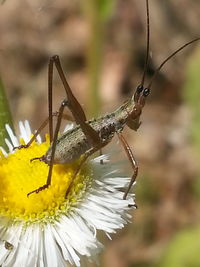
(19, 176)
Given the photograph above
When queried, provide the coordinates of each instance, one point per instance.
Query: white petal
(23, 132)
(13, 138)
(3, 151)
(27, 128)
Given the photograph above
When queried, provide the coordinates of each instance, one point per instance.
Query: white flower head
(47, 229)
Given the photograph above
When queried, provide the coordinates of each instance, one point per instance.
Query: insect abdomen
(71, 145)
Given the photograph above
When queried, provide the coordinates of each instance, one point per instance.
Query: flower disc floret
(19, 176)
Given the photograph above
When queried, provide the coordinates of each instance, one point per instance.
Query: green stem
(5, 116)
(94, 55)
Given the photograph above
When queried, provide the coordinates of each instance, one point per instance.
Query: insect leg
(132, 160)
(51, 114)
(44, 123)
(82, 162)
(50, 98)
(75, 106)
(50, 108)
(48, 182)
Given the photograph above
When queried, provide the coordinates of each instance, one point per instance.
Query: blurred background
(102, 45)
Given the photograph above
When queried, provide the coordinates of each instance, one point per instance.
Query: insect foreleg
(48, 182)
(132, 161)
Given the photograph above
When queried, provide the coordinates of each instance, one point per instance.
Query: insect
(91, 136)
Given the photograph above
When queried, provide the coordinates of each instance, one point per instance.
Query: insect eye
(146, 92)
(139, 88)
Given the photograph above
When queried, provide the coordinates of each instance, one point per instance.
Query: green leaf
(5, 116)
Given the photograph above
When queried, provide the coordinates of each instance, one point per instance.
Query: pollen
(19, 176)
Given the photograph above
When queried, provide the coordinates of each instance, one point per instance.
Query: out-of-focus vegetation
(183, 250)
(192, 97)
(97, 12)
(165, 225)
(5, 116)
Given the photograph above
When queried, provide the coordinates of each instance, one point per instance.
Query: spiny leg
(50, 100)
(48, 182)
(75, 106)
(132, 161)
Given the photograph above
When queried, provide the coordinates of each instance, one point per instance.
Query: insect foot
(20, 147)
(39, 158)
(38, 190)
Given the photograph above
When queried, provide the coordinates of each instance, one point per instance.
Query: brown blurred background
(167, 151)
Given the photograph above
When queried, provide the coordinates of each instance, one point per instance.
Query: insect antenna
(140, 87)
(168, 58)
(146, 91)
(147, 44)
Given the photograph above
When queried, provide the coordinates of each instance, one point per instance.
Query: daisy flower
(47, 229)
